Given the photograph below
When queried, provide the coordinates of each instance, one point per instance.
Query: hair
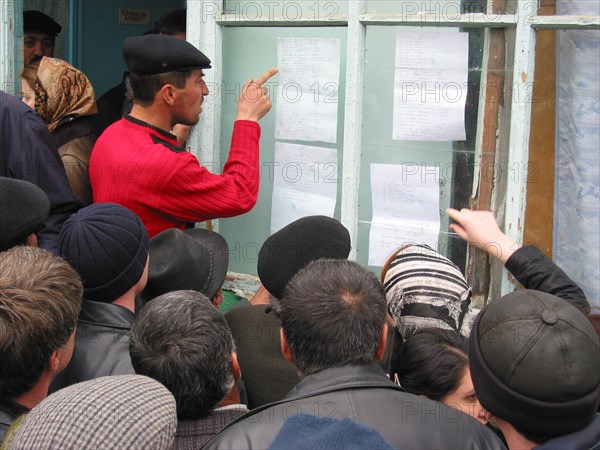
(145, 87)
(181, 340)
(29, 73)
(432, 362)
(332, 314)
(172, 23)
(40, 299)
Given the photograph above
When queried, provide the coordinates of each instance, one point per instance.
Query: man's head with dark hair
(173, 24)
(40, 298)
(39, 32)
(182, 341)
(332, 314)
(145, 87)
(167, 71)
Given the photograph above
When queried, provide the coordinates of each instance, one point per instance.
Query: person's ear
(54, 361)
(218, 298)
(286, 351)
(235, 367)
(169, 94)
(32, 240)
(382, 343)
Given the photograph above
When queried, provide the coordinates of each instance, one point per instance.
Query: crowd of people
(111, 334)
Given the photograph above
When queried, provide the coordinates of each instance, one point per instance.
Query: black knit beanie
(290, 249)
(535, 363)
(108, 246)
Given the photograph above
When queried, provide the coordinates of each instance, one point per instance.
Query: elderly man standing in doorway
(138, 163)
(39, 32)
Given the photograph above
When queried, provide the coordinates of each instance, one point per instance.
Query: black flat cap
(158, 53)
(38, 21)
(23, 209)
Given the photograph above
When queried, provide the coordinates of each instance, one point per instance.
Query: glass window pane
(440, 9)
(459, 163)
(288, 10)
(245, 234)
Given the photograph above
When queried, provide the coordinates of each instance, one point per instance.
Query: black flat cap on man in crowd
(25, 207)
(38, 21)
(157, 53)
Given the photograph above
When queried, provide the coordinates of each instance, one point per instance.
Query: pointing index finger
(265, 76)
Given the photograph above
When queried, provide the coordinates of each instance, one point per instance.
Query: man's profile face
(189, 105)
(37, 44)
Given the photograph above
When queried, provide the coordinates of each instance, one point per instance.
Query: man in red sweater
(137, 162)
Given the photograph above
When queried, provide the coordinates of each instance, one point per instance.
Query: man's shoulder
(405, 420)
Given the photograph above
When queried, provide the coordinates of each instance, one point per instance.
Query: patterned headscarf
(61, 90)
(425, 289)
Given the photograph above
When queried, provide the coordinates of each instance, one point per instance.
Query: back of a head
(124, 411)
(108, 246)
(332, 314)
(535, 363)
(290, 249)
(40, 298)
(425, 289)
(173, 23)
(181, 340)
(433, 362)
(25, 207)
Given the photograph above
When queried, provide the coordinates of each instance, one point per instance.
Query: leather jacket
(101, 344)
(534, 271)
(364, 394)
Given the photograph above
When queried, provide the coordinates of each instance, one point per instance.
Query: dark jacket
(75, 137)
(365, 395)
(534, 271)
(112, 106)
(587, 438)
(101, 344)
(28, 152)
(266, 374)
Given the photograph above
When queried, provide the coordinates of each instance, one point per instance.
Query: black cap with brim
(157, 53)
(193, 259)
(38, 21)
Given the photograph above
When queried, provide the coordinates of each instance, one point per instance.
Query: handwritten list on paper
(406, 205)
(307, 96)
(305, 183)
(430, 86)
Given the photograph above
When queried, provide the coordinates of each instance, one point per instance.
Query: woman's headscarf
(425, 290)
(61, 90)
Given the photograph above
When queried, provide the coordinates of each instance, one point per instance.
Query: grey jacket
(367, 396)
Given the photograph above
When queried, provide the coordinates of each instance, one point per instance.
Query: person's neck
(127, 300)
(152, 116)
(514, 439)
(37, 393)
(232, 398)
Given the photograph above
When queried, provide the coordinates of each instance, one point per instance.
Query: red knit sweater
(141, 167)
